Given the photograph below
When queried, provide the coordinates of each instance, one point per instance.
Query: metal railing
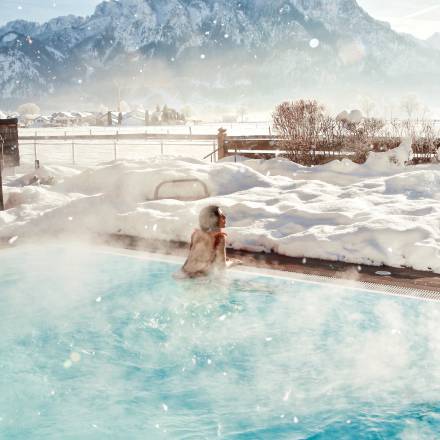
(182, 181)
(91, 152)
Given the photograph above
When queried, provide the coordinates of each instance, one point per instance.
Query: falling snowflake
(13, 239)
(202, 56)
(75, 357)
(314, 43)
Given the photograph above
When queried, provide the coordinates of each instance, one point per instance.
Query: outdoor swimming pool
(96, 345)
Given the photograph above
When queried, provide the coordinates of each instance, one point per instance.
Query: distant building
(64, 119)
(134, 118)
(41, 121)
(85, 118)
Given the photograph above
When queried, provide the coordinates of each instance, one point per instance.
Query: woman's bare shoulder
(199, 235)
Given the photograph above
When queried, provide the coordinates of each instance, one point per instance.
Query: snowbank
(377, 213)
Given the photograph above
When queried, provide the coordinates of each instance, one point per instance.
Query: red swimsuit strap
(217, 238)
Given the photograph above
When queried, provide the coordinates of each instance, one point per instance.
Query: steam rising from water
(95, 344)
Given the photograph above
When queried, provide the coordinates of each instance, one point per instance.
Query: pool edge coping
(285, 271)
(384, 289)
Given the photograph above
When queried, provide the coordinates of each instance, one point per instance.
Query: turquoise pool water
(101, 346)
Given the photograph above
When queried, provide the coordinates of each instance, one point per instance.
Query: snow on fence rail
(198, 129)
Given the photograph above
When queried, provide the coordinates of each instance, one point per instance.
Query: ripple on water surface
(104, 346)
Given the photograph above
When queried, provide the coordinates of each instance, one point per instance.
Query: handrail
(118, 135)
(203, 184)
(211, 154)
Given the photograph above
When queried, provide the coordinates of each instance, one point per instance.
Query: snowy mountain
(240, 50)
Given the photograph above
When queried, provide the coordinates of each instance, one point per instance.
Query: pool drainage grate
(379, 288)
(387, 289)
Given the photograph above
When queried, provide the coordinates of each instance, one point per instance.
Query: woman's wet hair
(209, 218)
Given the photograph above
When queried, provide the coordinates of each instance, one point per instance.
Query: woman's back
(207, 250)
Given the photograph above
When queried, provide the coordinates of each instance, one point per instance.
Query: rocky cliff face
(216, 49)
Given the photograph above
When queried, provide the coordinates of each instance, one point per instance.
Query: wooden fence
(267, 147)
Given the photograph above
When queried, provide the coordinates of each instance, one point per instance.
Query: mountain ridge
(223, 47)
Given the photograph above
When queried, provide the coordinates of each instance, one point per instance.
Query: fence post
(213, 152)
(270, 131)
(190, 132)
(114, 150)
(73, 152)
(2, 205)
(161, 147)
(37, 165)
(221, 137)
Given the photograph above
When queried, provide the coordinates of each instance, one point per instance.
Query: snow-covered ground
(377, 213)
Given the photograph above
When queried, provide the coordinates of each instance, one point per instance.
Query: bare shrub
(299, 125)
(310, 137)
(425, 143)
(305, 129)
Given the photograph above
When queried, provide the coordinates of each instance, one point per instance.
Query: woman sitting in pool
(208, 245)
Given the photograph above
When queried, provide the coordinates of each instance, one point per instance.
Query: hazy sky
(418, 17)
